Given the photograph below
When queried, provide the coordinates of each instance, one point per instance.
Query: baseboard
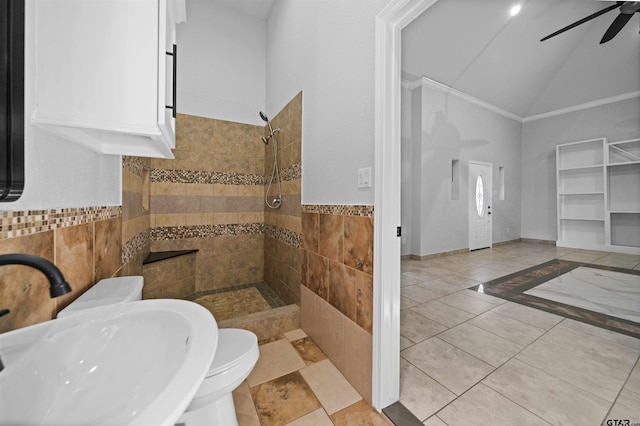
(466, 249)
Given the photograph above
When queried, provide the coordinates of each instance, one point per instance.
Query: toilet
(235, 357)
(110, 291)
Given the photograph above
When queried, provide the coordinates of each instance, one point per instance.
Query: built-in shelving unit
(598, 193)
(623, 176)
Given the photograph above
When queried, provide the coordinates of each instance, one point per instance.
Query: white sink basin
(138, 363)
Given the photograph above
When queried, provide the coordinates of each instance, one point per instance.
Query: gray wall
(326, 49)
(617, 121)
(453, 128)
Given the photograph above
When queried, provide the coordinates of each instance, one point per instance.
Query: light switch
(364, 177)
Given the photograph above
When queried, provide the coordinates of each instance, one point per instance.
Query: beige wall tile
(225, 218)
(192, 219)
(225, 190)
(358, 243)
(251, 190)
(199, 189)
(342, 289)
(253, 217)
(24, 290)
(108, 244)
(133, 227)
(329, 332)
(331, 237)
(310, 229)
(194, 160)
(74, 258)
(308, 305)
(173, 219)
(364, 301)
(358, 346)
(168, 188)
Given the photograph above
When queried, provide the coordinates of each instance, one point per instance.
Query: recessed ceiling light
(515, 10)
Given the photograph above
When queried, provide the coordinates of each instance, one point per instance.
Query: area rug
(526, 287)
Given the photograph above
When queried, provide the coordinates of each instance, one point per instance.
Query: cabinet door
(166, 75)
(97, 64)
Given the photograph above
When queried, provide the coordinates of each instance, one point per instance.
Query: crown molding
(586, 105)
(424, 81)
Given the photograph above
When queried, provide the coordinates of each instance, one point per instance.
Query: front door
(479, 205)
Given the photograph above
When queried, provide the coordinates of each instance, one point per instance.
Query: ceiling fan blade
(616, 26)
(583, 20)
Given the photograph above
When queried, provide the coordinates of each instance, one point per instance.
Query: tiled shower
(211, 198)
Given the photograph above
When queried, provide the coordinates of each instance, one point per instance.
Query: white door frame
(386, 248)
(488, 196)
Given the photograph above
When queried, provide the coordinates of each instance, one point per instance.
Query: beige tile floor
(294, 383)
(469, 358)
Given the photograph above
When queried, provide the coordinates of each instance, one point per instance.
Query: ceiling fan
(627, 9)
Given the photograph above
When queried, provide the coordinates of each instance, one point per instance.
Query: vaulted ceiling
(476, 47)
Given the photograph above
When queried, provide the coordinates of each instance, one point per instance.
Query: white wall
(406, 197)
(221, 63)
(59, 173)
(326, 49)
(452, 128)
(617, 121)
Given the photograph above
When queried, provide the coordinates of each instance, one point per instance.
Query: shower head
(266, 120)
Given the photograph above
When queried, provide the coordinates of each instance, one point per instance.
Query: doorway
(480, 190)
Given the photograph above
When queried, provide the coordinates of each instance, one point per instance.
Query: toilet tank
(109, 291)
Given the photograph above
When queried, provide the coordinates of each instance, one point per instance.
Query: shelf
(571, 194)
(627, 163)
(580, 154)
(624, 152)
(625, 229)
(581, 180)
(592, 219)
(624, 187)
(592, 166)
(583, 206)
(582, 231)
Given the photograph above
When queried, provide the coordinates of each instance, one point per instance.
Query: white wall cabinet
(103, 77)
(598, 193)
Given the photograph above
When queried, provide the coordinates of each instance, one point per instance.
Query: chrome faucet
(57, 284)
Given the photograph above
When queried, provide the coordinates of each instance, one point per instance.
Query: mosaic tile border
(283, 235)
(135, 245)
(291, 172)
(133, 165)
(344, 210)
(204, 177)
(205, 231)
(20, 223)
(512, 287)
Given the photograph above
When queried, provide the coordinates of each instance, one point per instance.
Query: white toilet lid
(234, 345)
